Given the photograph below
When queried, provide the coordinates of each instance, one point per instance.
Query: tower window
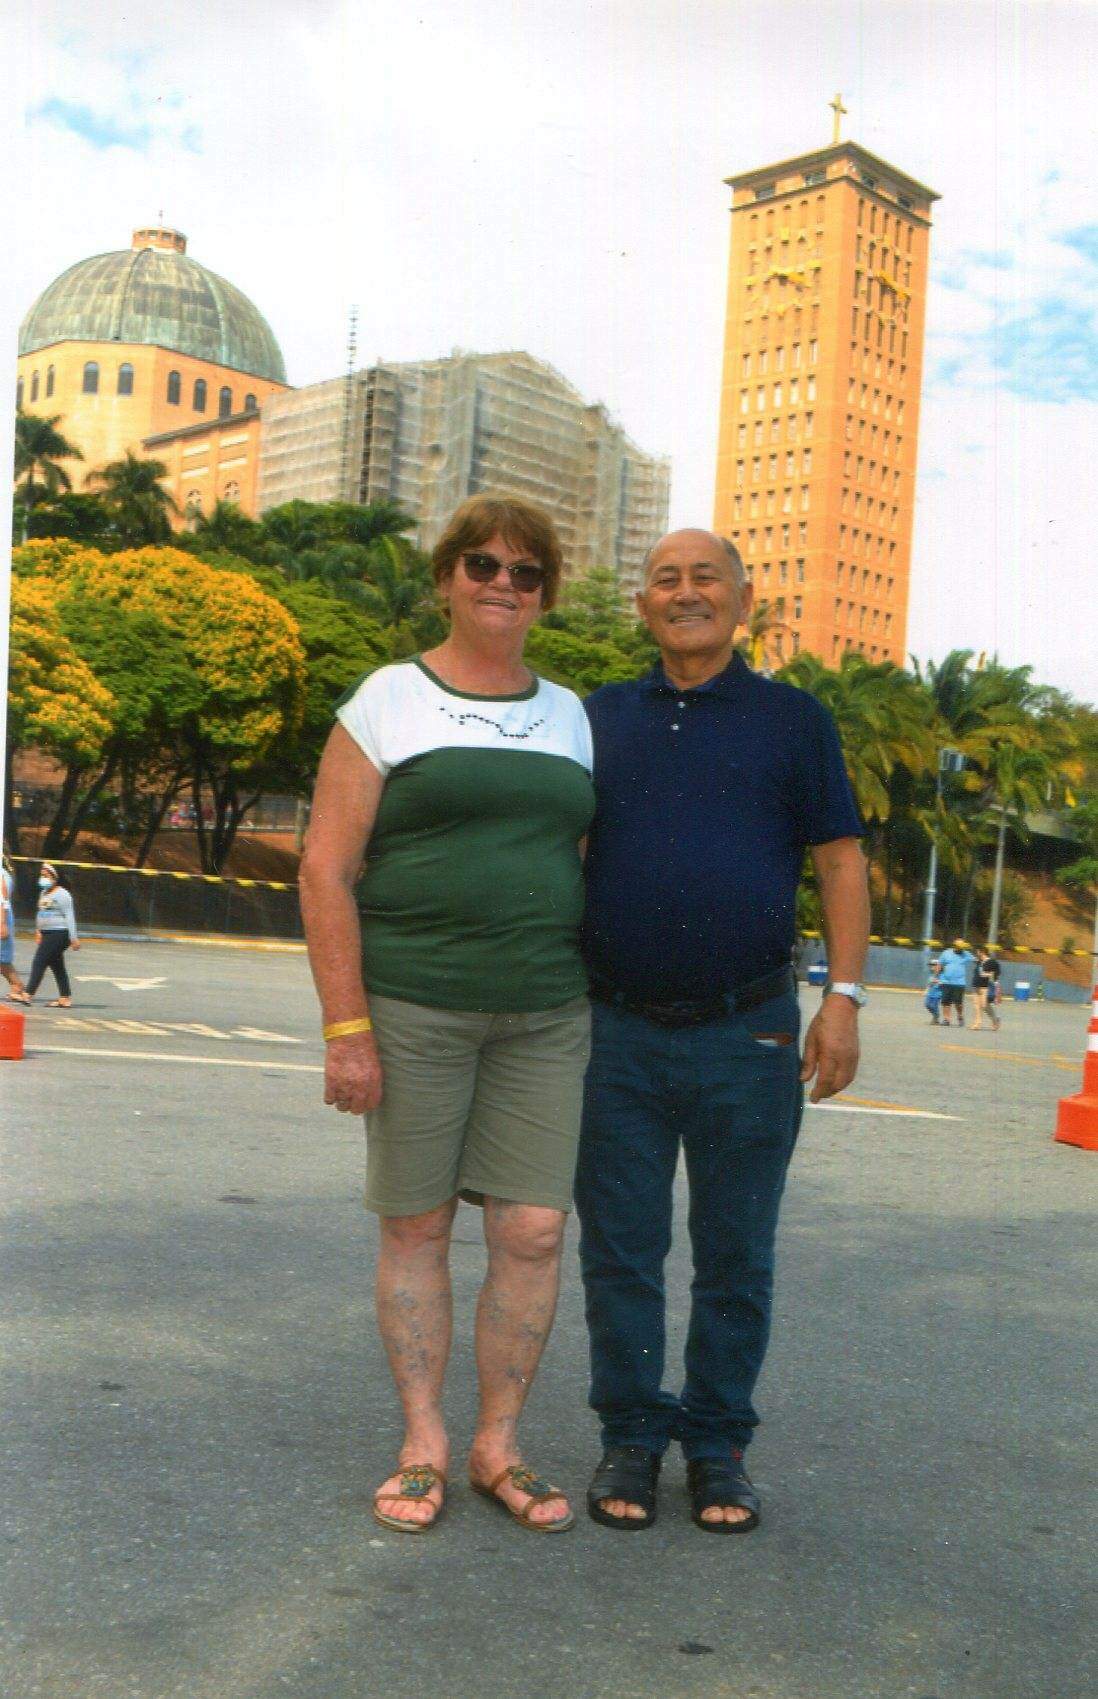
(231, 491)
(91, 377)
(194, 504)
(224, 402)
(175, 388)
(49, 380)
(251, 405)
(19, 392)
(764, 192)
(125, 378)
(198, 400)
(34, 386)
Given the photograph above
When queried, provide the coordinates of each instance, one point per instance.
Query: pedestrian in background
(985, 988)
(55, 924)
(17, 994)
(954, 979)
(932, 1002)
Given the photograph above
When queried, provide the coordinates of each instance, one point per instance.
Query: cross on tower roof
(838, 109)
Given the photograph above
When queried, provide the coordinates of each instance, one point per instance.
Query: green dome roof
(153, 293)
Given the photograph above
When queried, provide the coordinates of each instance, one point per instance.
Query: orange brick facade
(820, 396)
(106, 421)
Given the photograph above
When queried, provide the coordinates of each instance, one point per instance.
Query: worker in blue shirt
(711, 782)
(954, 964)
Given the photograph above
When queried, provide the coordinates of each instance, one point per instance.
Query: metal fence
(141, 899)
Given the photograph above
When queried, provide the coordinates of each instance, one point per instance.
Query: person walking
(986, 984)
(932, 1001)
(456, 1016)
(953, 965)
(17, 992)
(711, 784)
(55, 924)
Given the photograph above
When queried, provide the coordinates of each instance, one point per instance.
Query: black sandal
(628, 1472)
(717, 1482)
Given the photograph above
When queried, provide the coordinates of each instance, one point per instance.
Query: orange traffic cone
(12, 1022)
(1077, 1120)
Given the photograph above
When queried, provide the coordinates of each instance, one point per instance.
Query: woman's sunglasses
(524, 574)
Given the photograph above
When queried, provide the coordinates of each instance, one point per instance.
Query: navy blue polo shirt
(706, 800)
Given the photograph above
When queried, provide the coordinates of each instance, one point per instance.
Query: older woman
(457, 1020)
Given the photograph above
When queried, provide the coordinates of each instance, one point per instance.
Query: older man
(712, 781)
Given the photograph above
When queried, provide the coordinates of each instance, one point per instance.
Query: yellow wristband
(341, 1029)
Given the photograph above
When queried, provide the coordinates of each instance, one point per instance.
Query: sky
(550, 177)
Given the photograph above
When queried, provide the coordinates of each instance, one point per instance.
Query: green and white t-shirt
(472, 895)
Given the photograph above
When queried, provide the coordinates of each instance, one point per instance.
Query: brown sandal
(416, 1481)
(536, 1491)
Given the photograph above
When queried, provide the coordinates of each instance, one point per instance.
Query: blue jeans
(728, 1092)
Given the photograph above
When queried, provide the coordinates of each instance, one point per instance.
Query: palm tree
(886, 728)
(366, 523)
(883, 720)
(139, 505)
(39, 446)
(400, 584)
(1021, 779)
(229, 529)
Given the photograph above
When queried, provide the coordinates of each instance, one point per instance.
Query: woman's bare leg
(415, 1320)
(514, 1316)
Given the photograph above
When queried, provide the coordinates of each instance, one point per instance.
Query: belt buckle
(677, 1016)
(666, 1015)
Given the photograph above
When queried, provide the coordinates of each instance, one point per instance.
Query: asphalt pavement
(196, 1408)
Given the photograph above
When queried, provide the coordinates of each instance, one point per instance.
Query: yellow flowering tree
(207, 670)
(55, 701)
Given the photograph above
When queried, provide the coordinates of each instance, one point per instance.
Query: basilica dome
(154, 293)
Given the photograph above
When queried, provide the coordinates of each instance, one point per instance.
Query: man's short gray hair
(738, 569)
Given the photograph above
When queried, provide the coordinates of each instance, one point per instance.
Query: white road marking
(164, 1056)
(119, 984)
(161, 1029)
(315, 1068)
(858, 1109)
(257, 1032)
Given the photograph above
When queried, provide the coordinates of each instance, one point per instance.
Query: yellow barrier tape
(940, 944)
(164, 873)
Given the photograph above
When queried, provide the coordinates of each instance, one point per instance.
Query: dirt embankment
(262, 855)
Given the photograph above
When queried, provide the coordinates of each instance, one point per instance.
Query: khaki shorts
(476, 1104)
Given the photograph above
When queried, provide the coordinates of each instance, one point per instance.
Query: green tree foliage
(205, 671)
(341, 646)
(56, 703)
(39, 450)
(228, 531)
(139, 506)
(77, 515)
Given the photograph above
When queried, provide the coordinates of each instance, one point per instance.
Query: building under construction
(428, 433)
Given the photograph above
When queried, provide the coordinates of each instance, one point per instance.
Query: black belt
(735, 1002)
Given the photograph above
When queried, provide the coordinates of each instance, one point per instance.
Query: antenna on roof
(347, 493)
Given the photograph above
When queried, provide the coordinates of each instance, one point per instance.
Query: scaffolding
(430, 433)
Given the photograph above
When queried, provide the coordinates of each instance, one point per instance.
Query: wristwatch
(848, 988)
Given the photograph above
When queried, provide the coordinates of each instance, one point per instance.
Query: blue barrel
(817, 973)
(1021, 990)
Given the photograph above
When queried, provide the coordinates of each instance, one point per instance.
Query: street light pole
(949, 761)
